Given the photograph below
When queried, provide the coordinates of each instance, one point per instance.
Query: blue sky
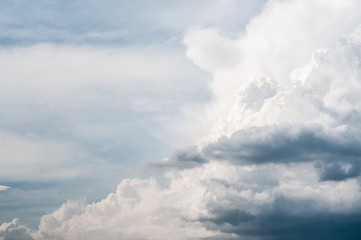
(209, 119)
(116, 23)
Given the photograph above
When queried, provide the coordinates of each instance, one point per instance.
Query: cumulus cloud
(15, 230)
(219, 201)
(276, 42)
(283, 162)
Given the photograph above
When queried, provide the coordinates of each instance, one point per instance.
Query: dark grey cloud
(281, 144)
(184, 158)
(280, 222)
(338, 158)
(338, 171)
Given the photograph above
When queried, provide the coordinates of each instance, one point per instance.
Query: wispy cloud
(3, 188)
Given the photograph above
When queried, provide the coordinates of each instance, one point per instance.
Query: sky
(217, 119)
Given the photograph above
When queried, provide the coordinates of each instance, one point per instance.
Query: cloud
(323, 226)
(15, 230)
(3, 188)
(211, 51)
(283, 161)
(220, 200)
(276, 42)
(337, 156)
(189, 157)
(340, 170)
(139, 209)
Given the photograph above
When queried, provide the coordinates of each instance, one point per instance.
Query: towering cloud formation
(282, 163)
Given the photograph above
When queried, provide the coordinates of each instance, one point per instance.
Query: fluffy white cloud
(15, 230)
(279, 40)
(139, 209)
(201, 203)
(324, 92)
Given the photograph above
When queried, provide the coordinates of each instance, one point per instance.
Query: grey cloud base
(181, 159)
(286, 144)
(337, 157)
(283, 226)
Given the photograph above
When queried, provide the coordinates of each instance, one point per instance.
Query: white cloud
(139, 209)
(3, 188)
(201, 203)
(15, 230)
(211, 51)
(323, 92)
(279, 40)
